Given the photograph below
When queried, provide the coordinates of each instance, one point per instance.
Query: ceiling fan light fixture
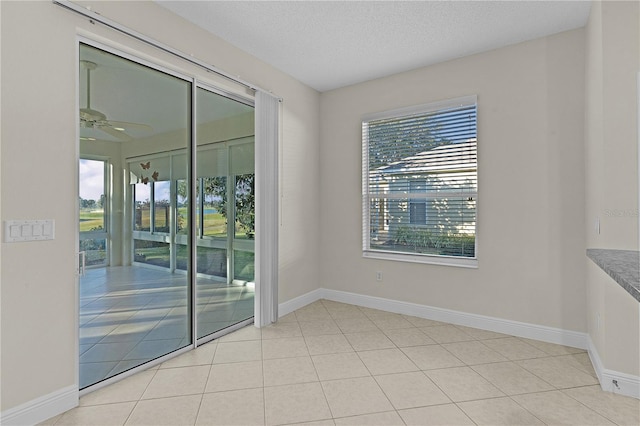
(91, 115)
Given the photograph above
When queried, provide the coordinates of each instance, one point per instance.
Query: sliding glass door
(167, 236)
(225, 203)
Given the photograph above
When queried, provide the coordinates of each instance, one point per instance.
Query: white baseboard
(627, 384)
(299, 302)
(499, 325)
(43, 408)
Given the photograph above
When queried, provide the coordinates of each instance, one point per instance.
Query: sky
(91, 179)
(92, 183)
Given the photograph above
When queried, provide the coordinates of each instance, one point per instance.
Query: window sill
(464, 262)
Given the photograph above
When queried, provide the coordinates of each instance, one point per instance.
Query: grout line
(585, 405)
(200, 404)
(141, 395)
(525, 409)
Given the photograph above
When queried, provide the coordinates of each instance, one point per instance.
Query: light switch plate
(28, 230)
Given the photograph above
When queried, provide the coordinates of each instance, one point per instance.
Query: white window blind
(420, 184)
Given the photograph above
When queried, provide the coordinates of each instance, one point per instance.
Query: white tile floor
(131, 315)
(335, 364)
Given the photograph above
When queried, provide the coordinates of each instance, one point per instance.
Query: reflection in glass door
(93, 211)
(225, 204)
(134, 303)
(139, 190)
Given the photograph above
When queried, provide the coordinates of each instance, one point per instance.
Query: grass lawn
(215, 224)
(91, 219)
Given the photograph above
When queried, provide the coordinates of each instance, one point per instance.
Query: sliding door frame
(127, 223)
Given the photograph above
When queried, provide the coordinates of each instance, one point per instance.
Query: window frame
(367, 196)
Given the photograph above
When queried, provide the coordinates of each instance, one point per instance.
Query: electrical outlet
(379, 276)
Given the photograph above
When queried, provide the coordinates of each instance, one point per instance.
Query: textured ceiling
(331, 44)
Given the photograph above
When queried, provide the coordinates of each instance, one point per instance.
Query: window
(214, 205)
(142, 203)
(417, 206)
(161, 206)
(420, 189)
(93, 211)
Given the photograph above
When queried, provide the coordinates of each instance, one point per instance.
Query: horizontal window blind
(420, 180)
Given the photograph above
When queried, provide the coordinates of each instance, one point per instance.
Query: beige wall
(611, 128)
(38, 173)
(531, 185)
(611, 179)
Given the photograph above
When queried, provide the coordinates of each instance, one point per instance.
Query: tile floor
(131, 315)
(336, 364)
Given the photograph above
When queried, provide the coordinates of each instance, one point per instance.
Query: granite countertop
(622, 265)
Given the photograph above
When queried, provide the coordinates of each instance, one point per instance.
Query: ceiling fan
(94, 119)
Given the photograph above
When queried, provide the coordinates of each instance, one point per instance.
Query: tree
(244, 199)
(246, 203)
(182, 190)
(215, 189)
(398, 138)
(215, 195)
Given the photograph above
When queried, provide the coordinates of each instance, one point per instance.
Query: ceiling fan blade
(126, 124)
(116, 133)
(91, 118)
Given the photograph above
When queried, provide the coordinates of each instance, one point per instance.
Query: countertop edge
(621, 265)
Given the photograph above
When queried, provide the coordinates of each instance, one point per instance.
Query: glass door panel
(223, 124)
(135, 306)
